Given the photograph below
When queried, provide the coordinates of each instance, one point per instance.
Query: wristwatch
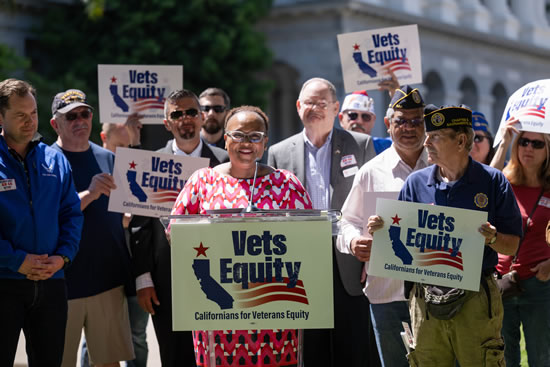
(493, 240)
(66, 261)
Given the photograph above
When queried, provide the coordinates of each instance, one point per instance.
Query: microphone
(251, 207)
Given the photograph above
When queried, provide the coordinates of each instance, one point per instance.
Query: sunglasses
(71, 116)
(177, 114)
(413, 122)
(536, 144)
(479, 138)
(216, 108)
(364, 116)
(239, 136)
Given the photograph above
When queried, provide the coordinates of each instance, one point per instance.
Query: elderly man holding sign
(472, 334)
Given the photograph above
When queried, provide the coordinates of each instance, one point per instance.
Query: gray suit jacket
(289, 155)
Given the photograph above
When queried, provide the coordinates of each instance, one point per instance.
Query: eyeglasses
(364, 116)
(322, 104)
(71, 116)
(216, 108)
(414, 122)
(536, 144)
(177, 114)
(239, 136)
(479, 138)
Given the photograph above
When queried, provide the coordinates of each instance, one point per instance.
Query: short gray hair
(330, 86)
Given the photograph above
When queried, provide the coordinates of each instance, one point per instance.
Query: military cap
(406, 98)
(437, 118)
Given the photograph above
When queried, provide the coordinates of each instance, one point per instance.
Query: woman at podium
(230, 186)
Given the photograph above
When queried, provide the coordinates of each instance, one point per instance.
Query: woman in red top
(528, 172)
(228, 186)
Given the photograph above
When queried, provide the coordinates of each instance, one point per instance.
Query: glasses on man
(479, 138)
(71, 116)
(413, 122)
(322, 104)
(536, 144)
(366, 117)
(239, 136)
(216, 108)
(177, 114)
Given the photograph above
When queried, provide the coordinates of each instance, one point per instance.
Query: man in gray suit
(326, 159)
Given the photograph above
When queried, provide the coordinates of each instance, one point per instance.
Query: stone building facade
(476, 52)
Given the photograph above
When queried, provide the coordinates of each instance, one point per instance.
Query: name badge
(348, 160)
(544, 201)
(350, 171)
(7, 185)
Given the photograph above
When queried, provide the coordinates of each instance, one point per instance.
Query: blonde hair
(514, 170)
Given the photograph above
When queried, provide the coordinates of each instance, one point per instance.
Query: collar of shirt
(194, 153)
(396, 160)
(311, 146)
(468, 176)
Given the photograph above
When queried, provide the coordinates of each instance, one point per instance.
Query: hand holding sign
(528, 106)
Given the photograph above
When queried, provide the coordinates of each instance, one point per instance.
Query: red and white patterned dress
(208, 189)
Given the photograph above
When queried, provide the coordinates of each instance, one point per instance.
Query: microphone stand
(251, 207)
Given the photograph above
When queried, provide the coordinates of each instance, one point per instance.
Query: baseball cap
(64, 102)
(358, 101)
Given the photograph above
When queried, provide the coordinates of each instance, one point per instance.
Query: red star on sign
(132, 165)
(396, 219)
(201, 250)
(356, 47)
(113, 79)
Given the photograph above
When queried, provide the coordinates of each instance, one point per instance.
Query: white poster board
(367, 56)
(142, 89)
(429, 244)
(528, 104)
(148, 183)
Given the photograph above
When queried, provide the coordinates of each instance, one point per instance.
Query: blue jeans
(386, 320)
(138, 324)
(40, 309)
(532, 310)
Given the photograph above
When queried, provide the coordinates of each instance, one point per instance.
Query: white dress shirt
(385, 172)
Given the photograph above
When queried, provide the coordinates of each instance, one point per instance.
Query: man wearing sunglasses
(214, 105)
(97, 300)
(472, 335)
(357, 114)
(386, 172)
(150, 248)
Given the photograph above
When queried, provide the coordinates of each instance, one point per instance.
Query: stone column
(445, 11)
(534, 25)
(407, 6)
(503, 22)
(474, 15)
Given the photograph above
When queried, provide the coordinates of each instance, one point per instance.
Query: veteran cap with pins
(406, 97)
(443, 117)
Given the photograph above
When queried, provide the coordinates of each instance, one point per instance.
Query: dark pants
(351, 342)
(40, 309)
(175, 347)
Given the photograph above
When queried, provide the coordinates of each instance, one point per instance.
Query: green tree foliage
(214, 40)
(10, 63)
